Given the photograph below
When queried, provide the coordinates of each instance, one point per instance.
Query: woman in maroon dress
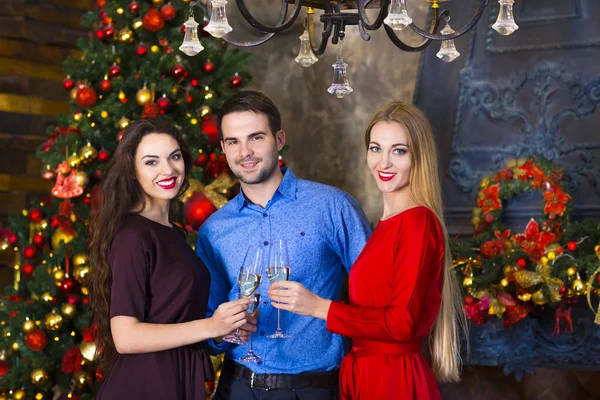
(149, 289)
(402, 288)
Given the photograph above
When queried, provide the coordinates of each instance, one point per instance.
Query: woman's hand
(294, 297)
(229, 316)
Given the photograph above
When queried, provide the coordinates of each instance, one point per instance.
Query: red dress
(395, 294)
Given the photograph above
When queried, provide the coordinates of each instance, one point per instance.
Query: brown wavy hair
(121, 194)
(450, 324)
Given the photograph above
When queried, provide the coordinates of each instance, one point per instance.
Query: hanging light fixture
(191, 43)
(340, 86)
(393, 16)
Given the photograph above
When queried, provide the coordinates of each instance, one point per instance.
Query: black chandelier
(393, 15)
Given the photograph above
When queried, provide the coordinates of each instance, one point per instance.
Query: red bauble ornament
(163, 103)
(168, 12)
(103, 155)
(572, 246)
(54, 222)
(563, 291)
(14, 240)
(27, 270)
(106, 21)
(68, 84)
(236, 80)
(73, 299)
(36, 340)
(4, 367)
(202, 159)
(68, 285)
(109, 32)
(209, 127)
(209, 66)
(153, 21)
(36, 215)
(100, 3)
(151, 110)
(114, 71)
(134, 7)
(29, 252)
(38, 239)
(85, 97)
(105, 85)
(469, 300)
(521, 262)
(179, 72)
(141, 50)
(197, 209)
(489, 218)
(99, 33)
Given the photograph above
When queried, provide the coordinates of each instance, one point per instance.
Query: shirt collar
(287, 188)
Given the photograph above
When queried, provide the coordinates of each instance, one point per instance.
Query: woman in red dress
(403, 293)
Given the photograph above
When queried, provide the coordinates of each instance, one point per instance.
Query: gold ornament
(157, 2)
(143, 96)
(122, 95)
(84, 291)
(156, 49)
(578, 287)
(3, 355)
(59, 276)
(53, 321)
(88, 350)
(124, 122)
(468, 282)
(137, 23)
(40, 396)
(542, 275)
(88, 153)
(208, 94)
(19, 395)
(47, 296)
(538, 298)
(82, 178)
(205, 112)
(82, 379)
(504, 282)
(73, 96)
(508, 270)
(28, 326)
(73, 161)
(571, 271)
(68, 310)
(81, 273)
(125, 36)
(80, 259)
(61, 236)
(216, 190)
(39, 377)
(15, 347)
(6, 332)
(544, 260)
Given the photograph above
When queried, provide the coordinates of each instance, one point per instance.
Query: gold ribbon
(542, 274)
(590, 288)
(215, 191)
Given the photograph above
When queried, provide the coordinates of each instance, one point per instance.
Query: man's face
(250, 147)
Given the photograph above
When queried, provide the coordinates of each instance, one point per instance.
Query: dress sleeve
(130, 265)
(416, 288)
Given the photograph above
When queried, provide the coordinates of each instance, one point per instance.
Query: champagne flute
(248, 282)
(278, 270)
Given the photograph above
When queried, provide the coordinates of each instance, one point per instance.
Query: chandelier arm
(482, 5)
(362, 12)
(280, 27)
(326, 33)
(241, 43)
(435, 23)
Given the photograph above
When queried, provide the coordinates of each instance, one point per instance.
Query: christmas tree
(130, 69)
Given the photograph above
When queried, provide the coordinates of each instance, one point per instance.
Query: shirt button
(266, 243)
(262, 333)
(265, 302)
(301, 233)
(265, 215)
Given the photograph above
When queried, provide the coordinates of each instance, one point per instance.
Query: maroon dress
(157, 278)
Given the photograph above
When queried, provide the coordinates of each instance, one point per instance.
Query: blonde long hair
(450, 324)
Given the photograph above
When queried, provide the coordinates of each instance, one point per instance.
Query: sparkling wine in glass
(248, 282)
(278, 270)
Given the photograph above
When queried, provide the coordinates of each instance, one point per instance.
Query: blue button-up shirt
(325, 230)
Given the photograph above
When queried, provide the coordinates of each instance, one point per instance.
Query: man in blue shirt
(325, 231)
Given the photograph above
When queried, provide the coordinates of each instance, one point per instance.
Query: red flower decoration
(71, 360)
(478, 312)
(492, 248)
(491, 199)
(533, 241)
(556, 201)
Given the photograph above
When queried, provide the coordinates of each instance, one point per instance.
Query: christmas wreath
(508, 275)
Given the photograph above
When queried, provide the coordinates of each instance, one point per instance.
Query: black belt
(317, 380)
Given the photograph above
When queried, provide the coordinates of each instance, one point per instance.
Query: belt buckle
(252, 376)
(252, 380)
